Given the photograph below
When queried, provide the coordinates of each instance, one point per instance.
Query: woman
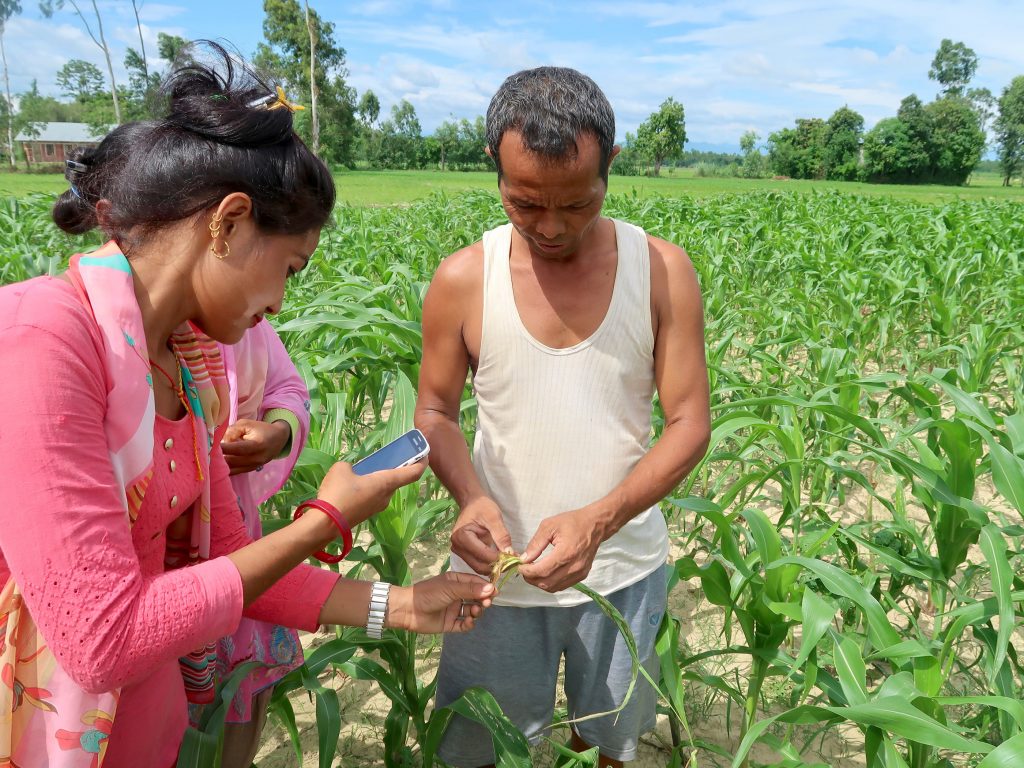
(114, 477)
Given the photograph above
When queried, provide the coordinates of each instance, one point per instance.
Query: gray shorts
(515, 652)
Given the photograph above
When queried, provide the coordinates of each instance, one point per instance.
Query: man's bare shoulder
(669, 262)
(462, 270)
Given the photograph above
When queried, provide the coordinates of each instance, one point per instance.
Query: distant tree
(888, 148)
(916, 162)
(286, 54)
(953, 67)
(472, 141)
(957, 140)
(8, 9)
(80, 80)
(369, 108)
(753, 166)
(842, 144)
(445, 137)
(401, 138)
(143, 85)
(661, 137)
(140, 99)
(49, 7)
(799, 153)
(170, 46)
(629, 161)
(984, 105)
(1009, 128)
(782, 152)
(692, 157)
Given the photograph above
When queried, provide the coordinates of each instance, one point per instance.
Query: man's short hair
(550, 107)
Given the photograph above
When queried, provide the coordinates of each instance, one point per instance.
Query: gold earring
(215, 223)
(221, 256)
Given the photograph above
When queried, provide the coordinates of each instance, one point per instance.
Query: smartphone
(406, 450)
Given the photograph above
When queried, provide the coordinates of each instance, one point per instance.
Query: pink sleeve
(296, 599)
(64, 533)
(284, 388)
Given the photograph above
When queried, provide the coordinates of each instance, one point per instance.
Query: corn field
(850, 546)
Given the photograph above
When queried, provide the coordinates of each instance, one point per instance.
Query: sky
(737, 65)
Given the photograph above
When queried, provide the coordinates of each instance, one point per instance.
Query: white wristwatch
(378, 609)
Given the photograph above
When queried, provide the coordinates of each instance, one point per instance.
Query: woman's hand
(248, 444)
(450, 602)
(358, 497)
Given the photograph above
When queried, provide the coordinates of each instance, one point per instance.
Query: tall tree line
(940, 142)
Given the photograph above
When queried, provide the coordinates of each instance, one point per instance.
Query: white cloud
(157, 12)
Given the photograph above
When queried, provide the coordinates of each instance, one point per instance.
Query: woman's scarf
(46, 719)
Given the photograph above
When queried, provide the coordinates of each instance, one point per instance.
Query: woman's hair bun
(212, 95)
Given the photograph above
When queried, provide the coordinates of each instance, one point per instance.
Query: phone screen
(405, 450)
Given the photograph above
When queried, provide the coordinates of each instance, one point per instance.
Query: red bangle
(332, 512)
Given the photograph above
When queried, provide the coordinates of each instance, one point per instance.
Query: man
(569, 321)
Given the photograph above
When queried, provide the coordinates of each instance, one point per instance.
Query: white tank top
(560, 428)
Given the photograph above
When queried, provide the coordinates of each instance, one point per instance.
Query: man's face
(553, 204)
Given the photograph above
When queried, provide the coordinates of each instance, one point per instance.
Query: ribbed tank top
(559, 428)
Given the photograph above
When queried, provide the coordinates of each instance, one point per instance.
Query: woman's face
(235, 292)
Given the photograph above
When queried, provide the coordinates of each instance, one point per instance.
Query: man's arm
(680, 374)
(455, 292)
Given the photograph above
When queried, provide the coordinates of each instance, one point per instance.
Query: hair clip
(74, 166)
(276, 101)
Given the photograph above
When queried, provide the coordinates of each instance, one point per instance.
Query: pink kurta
(95, 586)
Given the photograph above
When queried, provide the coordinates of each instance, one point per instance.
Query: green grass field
(397, 187)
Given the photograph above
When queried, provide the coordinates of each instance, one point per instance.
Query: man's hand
(480, 534)
(569, 543)
(248, 444)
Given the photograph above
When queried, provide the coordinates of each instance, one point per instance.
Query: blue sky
(736, 65)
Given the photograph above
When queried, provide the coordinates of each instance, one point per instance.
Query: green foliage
(799, 153)
(953, 67)
(940, 142)
(1010, 129)
(957, 140)
(400, 144)
(170, 46)
(660, 138)
(842, 144)
(286, 55)
(458, 145)
(80, 80)
(754, 165)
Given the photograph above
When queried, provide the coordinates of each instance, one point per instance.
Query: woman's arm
(304, 596)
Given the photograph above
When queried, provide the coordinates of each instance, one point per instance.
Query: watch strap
(378, 609)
